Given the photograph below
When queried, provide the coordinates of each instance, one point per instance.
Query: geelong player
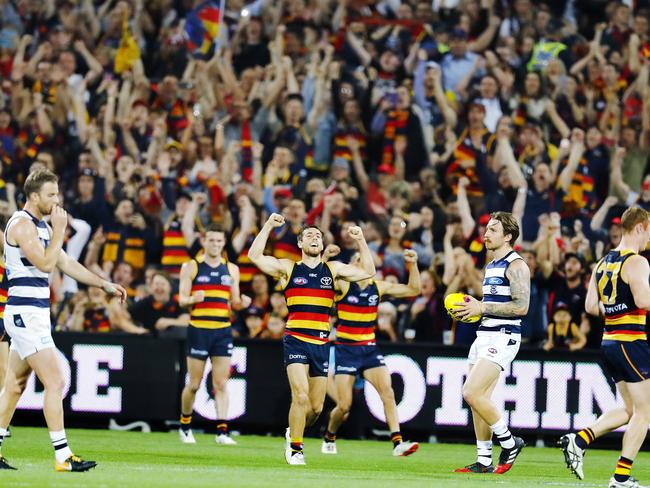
(309, 289)
(356, 349)
(619, 289)
(32, 250)
(208, 285)
(506, 294)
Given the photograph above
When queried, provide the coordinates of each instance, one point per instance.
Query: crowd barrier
(140, 378)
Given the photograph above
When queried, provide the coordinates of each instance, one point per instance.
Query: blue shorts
(356, 359)
(315, 355)
(204, 343)
(627, 361)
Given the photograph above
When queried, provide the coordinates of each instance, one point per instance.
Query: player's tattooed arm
(519, 276)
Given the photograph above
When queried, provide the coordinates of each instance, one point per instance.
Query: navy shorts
(204, 343)
(356, 359)
(317, 356)
(4, 337)
(627, 361)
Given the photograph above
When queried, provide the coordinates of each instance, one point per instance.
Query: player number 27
(609, 279)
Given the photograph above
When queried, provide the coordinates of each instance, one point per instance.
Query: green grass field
(129, 459)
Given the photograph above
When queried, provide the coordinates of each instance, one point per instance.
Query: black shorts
(317, 356)
(205, 343)
(627, 361)
(356, 359)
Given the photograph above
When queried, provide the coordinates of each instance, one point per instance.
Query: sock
(396, 437)
(60, 444)
(500, 429)
(584, 438)
(484, 452)
(3, 433)
(329, 436)
(186, 422)
(296, 445)
(222, 427)
(623, 468)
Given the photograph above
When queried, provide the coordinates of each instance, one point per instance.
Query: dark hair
(306, 227)
(36, 179)
(634, 216)
(162, 274)
(509, 223)
(214, 227)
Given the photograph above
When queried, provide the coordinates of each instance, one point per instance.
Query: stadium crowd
(412, 118)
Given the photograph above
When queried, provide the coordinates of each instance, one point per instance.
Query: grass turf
(128, 459)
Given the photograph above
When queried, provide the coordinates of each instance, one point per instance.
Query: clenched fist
(277, 220)
(356, 233)
(410, 256)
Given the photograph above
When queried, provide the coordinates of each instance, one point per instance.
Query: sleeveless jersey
(175, 248)
(3, 291)
(246, 267)
(496, 288)
(28, 287)
(624, 321)
(357, 315)
(310, 296)
(213, 312)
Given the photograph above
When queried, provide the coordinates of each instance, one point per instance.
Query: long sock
(500, 429)
(3, 433)
(60, 444)
(186, 422)
(396, 438)
(484, 452)
(296, 445)
(222, 427)
(623, 468)
(584, 438)
(329, 436)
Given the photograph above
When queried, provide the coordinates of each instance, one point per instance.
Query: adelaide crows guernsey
(310, 296)
(357, 315)
(213, 312)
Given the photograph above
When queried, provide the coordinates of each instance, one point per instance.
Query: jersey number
(607, 284)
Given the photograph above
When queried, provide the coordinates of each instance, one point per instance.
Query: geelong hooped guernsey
(28, 287)
(357, 315)
(213, 312)
(310, 296)
(624, 321)
(496, 289)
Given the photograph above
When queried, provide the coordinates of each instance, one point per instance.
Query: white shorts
(496, 347)
(30, 332)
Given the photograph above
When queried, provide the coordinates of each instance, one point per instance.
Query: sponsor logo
(297, 356)
(373, 299)
(203, 279)
(46, 340)
(326, 281)
(346, 368)
(492, 350)
(313, 275)
(300, 280)
(353, 300)
(494, 281)
(214, 273)
(323, 335)
(619, 307)
(225, 280)
(198, 351)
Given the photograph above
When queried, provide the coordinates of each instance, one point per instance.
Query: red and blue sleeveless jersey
(310, 297)
(213, 312)
(357, 315)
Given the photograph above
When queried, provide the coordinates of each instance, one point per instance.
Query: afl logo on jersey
(353, 300)
(300, 280)
(372, 300)
(326, 281)
(203, 279)
(225, 280)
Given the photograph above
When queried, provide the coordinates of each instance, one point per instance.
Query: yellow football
(451, 300)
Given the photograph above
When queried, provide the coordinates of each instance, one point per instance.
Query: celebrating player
(309, 289)
(356, 350)
(207, 286)
(32, 250)
(619, 288)
(506, 294)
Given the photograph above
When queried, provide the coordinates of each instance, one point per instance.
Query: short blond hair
(634, 216)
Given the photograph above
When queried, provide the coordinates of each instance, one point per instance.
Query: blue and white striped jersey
(28, 286)
(496, 288)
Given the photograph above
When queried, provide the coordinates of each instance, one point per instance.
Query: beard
(312, 253)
